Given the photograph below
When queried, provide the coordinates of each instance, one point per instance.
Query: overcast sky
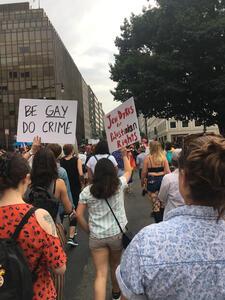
(88, 29)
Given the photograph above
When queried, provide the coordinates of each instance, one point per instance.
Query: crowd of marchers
(181, 256)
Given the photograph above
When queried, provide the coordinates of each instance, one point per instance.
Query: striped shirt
(102, 223)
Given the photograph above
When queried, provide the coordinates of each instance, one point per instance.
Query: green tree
(172, 60)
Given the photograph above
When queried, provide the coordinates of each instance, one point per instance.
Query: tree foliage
(172, 60)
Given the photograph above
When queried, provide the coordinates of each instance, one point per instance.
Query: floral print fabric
(181, 258)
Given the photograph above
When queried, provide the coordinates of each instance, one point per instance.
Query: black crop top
(156, 170)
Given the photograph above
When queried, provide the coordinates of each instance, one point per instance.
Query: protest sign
(53, 120)
(121, 126)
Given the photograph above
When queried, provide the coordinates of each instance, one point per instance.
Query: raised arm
(127, 166)
(34, 148)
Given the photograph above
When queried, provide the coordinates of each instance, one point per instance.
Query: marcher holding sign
(121, 126)
(52, 120)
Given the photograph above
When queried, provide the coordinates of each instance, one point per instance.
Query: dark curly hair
(105, 180)
(13, 169)
(203, 162)
(102, 148)
(44, 168)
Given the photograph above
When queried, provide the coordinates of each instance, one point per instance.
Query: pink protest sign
(121, 126)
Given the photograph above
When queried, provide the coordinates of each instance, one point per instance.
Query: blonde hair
(157, 152)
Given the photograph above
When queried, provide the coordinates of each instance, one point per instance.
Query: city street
(80, 273)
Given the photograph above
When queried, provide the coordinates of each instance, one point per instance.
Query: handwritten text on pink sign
(122, 126)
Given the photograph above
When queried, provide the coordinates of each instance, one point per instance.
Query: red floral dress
(35, 243)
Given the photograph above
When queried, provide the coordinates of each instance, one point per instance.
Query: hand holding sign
(121, 126)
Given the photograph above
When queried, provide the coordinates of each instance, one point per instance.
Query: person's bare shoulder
(46, 222)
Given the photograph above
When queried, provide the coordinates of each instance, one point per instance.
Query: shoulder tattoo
(49, 220)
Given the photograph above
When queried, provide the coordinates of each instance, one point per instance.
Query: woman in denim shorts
(105, 238)
(155, 167)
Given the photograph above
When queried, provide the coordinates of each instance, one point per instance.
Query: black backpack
(16, 279)
(42, 198)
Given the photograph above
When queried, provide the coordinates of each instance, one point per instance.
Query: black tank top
(71, 167)
(156, 170)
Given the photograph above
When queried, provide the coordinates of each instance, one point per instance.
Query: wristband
(31, 153)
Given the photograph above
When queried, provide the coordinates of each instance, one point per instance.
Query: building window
(24, 49)
(4, 88)
(12, 112)
(25, 74)
(185, 123)
(173, 124)
(198, 123)
(13, 75)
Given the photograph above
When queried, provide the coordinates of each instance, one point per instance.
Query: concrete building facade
(96, 115)
(35, 64)
(174, 131)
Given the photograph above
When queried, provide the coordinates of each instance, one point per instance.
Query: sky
(88, 29)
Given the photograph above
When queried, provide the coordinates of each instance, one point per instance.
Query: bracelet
(71, 213)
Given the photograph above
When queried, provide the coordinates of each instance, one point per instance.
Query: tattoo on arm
(49, 220)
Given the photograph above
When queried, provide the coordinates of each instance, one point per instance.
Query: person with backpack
(48, 191)
(101, 151)
(104, 195)
(73, 166)
(29, 245)
(46, 185)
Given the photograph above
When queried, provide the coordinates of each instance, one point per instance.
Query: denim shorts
(114, 243)
(154, 183)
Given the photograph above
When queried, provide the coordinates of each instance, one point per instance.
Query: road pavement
(80, 272)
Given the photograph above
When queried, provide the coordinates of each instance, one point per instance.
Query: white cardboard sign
(53, 120)
(121, 126)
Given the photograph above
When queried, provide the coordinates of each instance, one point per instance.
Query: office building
(34, 63)
(174, 131)
(96, 115)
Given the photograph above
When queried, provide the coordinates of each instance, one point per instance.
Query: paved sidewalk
(80, 272)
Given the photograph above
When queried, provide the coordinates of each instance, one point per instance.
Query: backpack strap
(23, 222)
(95, 157)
